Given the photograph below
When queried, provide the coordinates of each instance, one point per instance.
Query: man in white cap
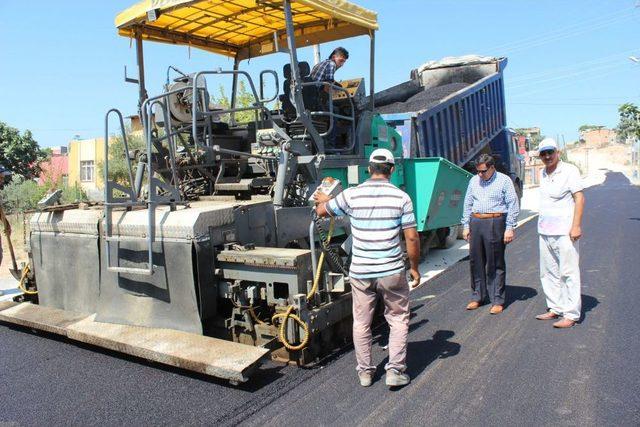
(378, 212)
(559, 227)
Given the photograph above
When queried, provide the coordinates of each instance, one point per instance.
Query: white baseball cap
(548, 144)
(382, 155)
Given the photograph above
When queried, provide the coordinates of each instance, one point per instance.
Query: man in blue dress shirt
(490, 214)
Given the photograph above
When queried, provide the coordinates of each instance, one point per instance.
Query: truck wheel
(425, 245)
(447, 237)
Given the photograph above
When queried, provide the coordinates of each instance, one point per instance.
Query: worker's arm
(321, 200)
(513, 210)
(576, 227)
(412, 240)
(5, 223)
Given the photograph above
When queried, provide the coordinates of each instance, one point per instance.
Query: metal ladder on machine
(130, 196)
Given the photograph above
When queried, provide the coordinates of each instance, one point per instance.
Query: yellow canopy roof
(244, 28)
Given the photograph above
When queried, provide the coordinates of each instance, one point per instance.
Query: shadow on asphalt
(421, 354)
(518, 293)
(588, 304)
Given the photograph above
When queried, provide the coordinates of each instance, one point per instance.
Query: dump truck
(454, 108)
(208, 255)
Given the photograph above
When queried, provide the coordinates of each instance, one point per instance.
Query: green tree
(629, 125)
(244, 98)
(534, 139)
(585, 128)
(20, 153)
(118, 170)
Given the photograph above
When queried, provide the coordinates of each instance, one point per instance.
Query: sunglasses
(481, 171)
(547, 152)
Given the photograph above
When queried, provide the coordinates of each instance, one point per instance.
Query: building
(84, 157)
(598, 137)
(55, 171)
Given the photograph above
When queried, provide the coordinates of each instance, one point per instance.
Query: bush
(24, 194)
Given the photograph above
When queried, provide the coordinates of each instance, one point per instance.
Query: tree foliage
(534, 139)
(244, 98)
(20, 153)
(629, 125)
(585, 128)
(118, 170)
(23, 194)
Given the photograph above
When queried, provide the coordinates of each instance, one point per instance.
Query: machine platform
(206, 355)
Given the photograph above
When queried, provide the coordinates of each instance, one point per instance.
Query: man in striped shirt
(378, 212)
(490, 213)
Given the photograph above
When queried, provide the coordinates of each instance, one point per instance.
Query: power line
(572, 30)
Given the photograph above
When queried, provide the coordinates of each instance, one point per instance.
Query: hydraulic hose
(289, 315)
(21, 286)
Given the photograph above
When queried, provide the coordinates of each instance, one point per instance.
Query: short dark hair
(380, 168)
(340, 51)
(485, 159)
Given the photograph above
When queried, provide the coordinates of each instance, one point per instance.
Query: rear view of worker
(378, 212)
(490, 214)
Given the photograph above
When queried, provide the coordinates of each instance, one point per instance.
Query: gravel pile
(422, 100)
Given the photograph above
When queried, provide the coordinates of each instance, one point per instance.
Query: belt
(487, 215)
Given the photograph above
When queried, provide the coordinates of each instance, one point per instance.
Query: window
(86, 171)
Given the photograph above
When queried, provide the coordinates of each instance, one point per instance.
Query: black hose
(333, 258)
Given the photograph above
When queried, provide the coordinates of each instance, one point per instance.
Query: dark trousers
(486, 254)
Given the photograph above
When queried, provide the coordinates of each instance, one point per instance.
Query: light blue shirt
(494, 195)
(378, 212)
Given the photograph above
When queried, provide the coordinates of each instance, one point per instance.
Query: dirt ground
(615, 157)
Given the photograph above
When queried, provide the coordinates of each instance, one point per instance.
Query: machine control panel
(355, 87)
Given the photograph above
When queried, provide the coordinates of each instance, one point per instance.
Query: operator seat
(310, 94)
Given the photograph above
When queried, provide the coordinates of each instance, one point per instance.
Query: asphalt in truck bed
(466, 367)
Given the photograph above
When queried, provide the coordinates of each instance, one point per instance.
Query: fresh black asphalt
(468, 368)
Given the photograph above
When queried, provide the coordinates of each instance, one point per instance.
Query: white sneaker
(395, 378)
(365, 378)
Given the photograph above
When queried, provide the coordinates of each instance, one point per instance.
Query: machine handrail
(333, 115)
(109, 204)
(258, 105)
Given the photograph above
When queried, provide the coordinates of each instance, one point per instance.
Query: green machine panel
(437, 188)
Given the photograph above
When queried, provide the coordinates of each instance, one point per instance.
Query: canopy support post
(372, 57)
(234, 90)
(142, 96)
(297, 82)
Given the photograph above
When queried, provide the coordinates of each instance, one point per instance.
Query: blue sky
(62, 67)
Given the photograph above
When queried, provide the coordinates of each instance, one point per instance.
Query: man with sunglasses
(490, 213)
(559, 227)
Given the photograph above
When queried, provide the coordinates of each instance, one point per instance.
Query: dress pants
(486, 255)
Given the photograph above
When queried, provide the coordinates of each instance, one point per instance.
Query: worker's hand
(466, 233)
(320, 197)
(415, 277)
(509, 234)
(575, 233)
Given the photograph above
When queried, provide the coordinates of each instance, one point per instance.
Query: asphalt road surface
(467, 367)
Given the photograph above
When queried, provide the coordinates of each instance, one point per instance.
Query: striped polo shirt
(378, 212)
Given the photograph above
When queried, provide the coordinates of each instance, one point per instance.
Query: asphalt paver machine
(208, 256)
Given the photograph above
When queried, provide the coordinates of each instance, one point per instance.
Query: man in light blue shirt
(490, 214)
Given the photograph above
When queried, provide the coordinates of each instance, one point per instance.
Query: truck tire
(447, 236)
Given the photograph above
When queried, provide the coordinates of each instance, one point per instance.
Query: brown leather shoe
(549, 315)
(564, 323)
(496, 309)
(473, 305)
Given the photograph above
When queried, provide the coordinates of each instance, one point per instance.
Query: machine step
(198, 353)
